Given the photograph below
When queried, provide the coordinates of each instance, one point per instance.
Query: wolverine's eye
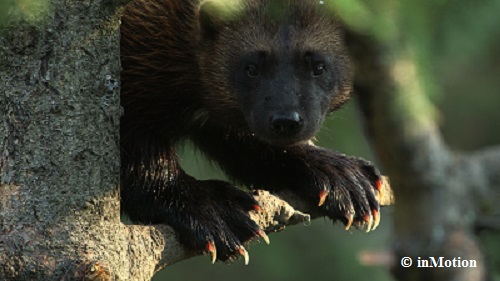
(252, 70)
(318, 69)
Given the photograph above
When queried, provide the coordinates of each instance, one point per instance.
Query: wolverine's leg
(207, 215)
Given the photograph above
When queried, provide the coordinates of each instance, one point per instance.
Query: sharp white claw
(376, 219)
(350, 219)
(370, 223)
(264, 236)
(241, 250)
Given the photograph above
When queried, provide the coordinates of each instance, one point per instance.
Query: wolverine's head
(279, 66)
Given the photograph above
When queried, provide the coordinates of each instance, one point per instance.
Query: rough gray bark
(58, 138)
(441, 194)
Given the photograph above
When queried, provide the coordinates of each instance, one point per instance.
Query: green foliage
(440, 34)
(378, 18)
(31, 11)
(491, 244)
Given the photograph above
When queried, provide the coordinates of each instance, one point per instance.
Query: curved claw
(378, 184)
(241, 250)
(350, 220)
(264, 236)
(376, 218)
(212, 250)
(369, 219)
(322, 197)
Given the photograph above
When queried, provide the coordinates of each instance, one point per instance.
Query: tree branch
(276, 214)
(435, 208)
(489, 161)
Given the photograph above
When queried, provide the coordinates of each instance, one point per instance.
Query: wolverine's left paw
(347, 188)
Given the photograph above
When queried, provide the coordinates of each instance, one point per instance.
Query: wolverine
(249, 83)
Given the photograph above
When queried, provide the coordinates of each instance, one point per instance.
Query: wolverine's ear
(215, 14)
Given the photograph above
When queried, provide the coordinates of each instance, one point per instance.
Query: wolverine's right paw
(214, 219)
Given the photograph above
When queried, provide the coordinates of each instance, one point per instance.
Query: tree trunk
(59, 159)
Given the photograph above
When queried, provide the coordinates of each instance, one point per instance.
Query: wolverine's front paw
(347, 188)
(215, 220)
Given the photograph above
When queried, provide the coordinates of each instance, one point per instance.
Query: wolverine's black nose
(286, 123)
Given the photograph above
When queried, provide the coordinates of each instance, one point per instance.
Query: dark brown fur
(162, 53)
(184, 78)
